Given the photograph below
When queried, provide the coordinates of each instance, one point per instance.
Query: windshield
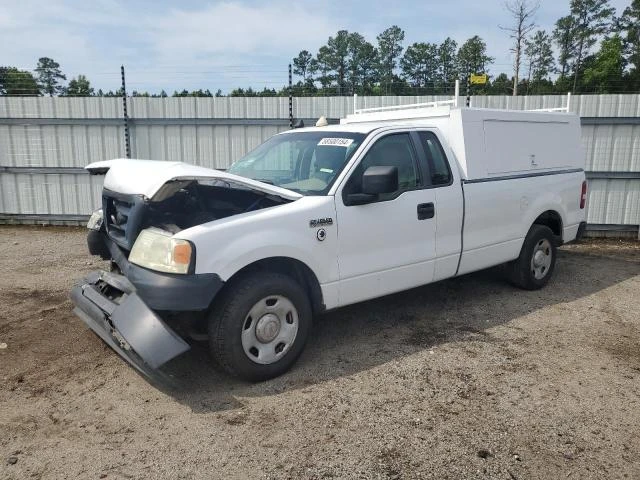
(305, 162)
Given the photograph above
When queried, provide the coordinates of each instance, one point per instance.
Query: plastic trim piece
(524, 175)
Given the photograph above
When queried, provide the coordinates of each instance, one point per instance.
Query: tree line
(589, 50)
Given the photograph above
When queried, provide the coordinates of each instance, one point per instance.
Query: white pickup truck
(318, 218)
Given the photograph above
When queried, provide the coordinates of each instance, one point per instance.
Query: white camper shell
(491, 143)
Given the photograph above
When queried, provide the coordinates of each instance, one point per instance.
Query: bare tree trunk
(522, 13)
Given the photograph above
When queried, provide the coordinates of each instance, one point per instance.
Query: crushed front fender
(109, 305)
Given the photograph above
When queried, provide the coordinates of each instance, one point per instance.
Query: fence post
(127, 145)
(290, 98)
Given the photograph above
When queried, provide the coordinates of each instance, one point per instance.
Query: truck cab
(319, 218)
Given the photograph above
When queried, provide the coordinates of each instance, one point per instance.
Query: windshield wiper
(270, 182)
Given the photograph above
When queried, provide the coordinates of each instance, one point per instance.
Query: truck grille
(118, 217)
(122, 218)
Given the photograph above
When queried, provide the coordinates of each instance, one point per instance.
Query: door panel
(384, 247)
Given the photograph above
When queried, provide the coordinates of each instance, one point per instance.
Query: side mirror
(375, 180)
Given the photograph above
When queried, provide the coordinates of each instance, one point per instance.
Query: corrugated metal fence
(45, 142)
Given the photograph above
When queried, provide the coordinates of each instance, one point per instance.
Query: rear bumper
(110, 305)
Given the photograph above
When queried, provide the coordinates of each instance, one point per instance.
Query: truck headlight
(95, 221)
(158, 250)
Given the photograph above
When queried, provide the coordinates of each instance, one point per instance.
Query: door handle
(426, 210)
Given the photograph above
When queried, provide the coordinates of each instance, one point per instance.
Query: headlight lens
(158, 250)
(95, 221)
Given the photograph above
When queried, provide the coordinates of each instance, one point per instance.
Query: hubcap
(269, 329)
(541, 259)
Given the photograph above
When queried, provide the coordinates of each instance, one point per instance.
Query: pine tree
(539, 55)
(49, 76)
(592, 18)
(389, 50)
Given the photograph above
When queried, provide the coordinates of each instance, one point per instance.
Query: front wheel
(533, 268)
(260, 325)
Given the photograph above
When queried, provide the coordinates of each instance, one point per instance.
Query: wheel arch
(293, 268)
(553, 220)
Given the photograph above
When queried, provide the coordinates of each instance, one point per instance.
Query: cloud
(236, 28)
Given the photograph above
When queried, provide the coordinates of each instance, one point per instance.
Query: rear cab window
(438, 165)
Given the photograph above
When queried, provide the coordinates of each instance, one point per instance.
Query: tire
(259, 326)
(534, 267)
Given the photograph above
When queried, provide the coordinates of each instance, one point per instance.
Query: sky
(214, 45)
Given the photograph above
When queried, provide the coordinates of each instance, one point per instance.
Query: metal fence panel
(44, 141)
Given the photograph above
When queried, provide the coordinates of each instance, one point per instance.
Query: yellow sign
(479, 79)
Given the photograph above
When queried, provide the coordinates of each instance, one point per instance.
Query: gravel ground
(466, 378)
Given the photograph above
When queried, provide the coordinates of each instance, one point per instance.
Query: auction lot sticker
(336, 142)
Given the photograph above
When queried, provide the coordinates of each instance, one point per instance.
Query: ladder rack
(441, 103)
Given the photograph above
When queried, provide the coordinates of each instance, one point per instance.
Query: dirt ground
(466, 378)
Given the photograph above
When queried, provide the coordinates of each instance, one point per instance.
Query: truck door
(387, 245)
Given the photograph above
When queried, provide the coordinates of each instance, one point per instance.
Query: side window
(438, 165)
(394, 150)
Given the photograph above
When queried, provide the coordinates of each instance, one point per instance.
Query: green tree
(324, 67)
(522, 13)
(565, 35)
(447, 68)
(49, 76)
(304, 65)
(332, 61)
(362, 64)
(502, 85)
(420, 64)
(472, 57)
(629, 28)
(592, 18)
(539, 55)
(604, 74)
(389, 51)
(79, 87)
(17, 82)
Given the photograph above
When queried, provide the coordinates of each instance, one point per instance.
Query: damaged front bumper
(110, 305)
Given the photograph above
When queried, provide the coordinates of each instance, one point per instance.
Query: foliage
(539, 53)
(420, 64)
(564, 35)
(607, 67)
(591, 18)
(17, 82)
(629, 27)
(389, 51)
(79, 87)
(49, 76)
(472, 57)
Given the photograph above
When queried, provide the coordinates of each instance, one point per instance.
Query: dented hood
(147, 177)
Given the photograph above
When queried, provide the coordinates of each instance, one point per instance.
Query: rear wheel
(260, 325)
(534, 267)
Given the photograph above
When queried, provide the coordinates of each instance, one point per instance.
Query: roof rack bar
(456, 93)
(437, 103)
(557, 109)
